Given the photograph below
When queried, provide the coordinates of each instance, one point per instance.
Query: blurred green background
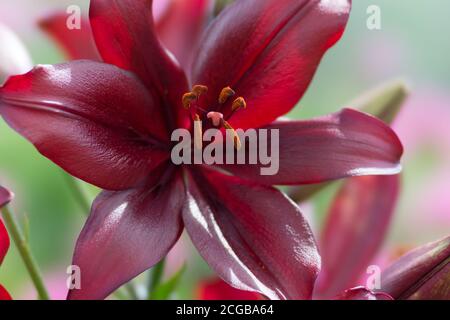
(413, 44)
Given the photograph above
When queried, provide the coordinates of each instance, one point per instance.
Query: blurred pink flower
(55, 282)
(381, 56)
(427, 135)
(418, 131)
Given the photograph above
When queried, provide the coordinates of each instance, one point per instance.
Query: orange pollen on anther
(239, 103)
(188, 98)
(225, 94)
(198, 90)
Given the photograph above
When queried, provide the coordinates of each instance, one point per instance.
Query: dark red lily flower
(110, 125)
(421, 274)
(5, 197)
(178, 25)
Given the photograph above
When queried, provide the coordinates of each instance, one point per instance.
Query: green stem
(131, 290)
(155, 277)
(78, 193)
(25, 253)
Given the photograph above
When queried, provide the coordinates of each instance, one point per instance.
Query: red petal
(252, 236)
(268, 52)
(423, 273)
(354, 230)
(181, 27)
(96, 121)
(344, 144)
(127, 233)
(77, 43)
(4, 241)
(125, 36)
(5, 197)
(4, 295)
(361, 293)
(220, 290)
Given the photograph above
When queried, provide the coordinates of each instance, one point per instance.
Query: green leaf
(384, 103)
(164, 290)
(155, 276)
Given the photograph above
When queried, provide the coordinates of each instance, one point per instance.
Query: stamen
(239, 103)
(198, 133)
(188, 98)
(237, 141)
(216, 118)
(225, 94)
(198, 90)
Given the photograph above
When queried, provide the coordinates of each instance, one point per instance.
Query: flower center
(192, 102)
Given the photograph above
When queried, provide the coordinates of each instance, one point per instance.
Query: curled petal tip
(5, 196)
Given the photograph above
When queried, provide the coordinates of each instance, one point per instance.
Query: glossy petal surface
(344, 144)
(127, 233)
(423, 273)
(253, 236)
(268, 52)
(95, 120)
(125, 35)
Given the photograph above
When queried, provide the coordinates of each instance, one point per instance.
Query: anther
(199, 90)
(237, 141)
(239, 103)
(188, 98)
(198, 132)
(225, 94)
(216, 118)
